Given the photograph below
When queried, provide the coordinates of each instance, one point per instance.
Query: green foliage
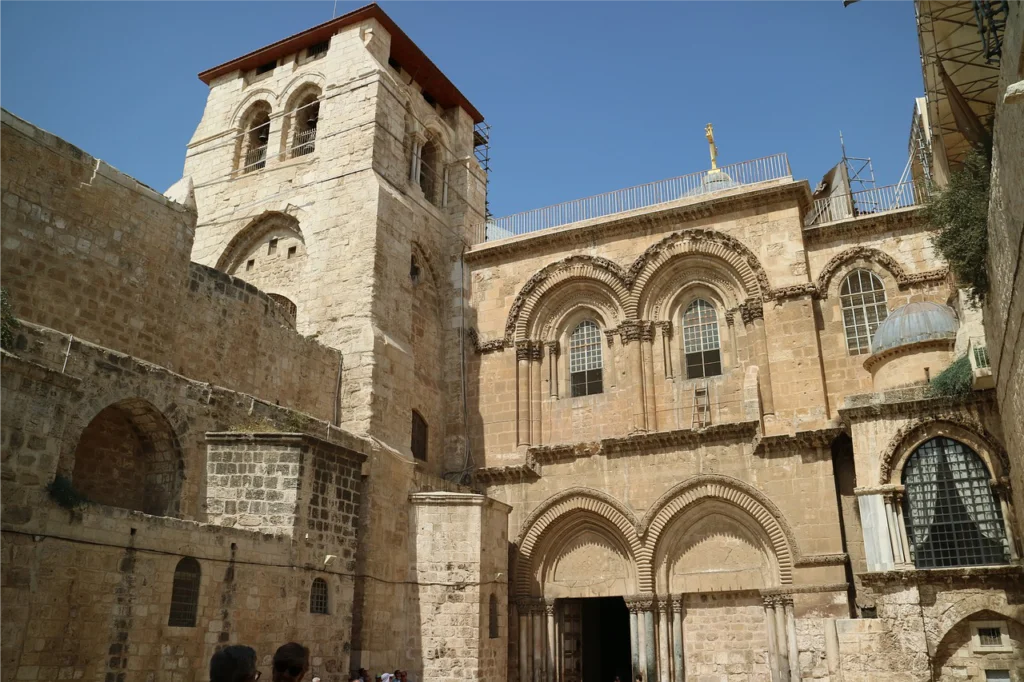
(64, 493)
(960, 211)
(954, 382)
(8, 322)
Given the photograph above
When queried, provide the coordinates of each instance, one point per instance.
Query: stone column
(553, 353)
(1001, 489)
(629, 332)
(832, 649)
(549, 610)
(523, 393)
(677, 639)
(523, 609)
(774, 660)
(753, 319)
(901, 528)
(634, 648)
(793, 650)
(666, 346)
(536, 356)
(663, 655)
(647, 365)
(538, 640)
(894, 532)
(648, 611)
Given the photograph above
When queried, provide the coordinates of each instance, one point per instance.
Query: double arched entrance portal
(697, 586)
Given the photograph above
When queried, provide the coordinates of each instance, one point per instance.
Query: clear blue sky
(582, 97)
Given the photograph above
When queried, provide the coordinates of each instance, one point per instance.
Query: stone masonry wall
(1004, 306)
(104, 258)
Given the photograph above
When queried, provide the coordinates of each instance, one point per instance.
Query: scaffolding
(482, 151)
(964, 39)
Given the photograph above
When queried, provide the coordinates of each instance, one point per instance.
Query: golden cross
(709, 132)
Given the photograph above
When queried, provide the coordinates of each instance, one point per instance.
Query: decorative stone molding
(677, 603)
(644, 442)
(801, 440)
(666, 328)
(804, 589)
(751, 310)
(727, 489)
(512, 473)
(599, 504)
(554, 350)
(908, 401)
(939, 424)
(547, 454)
(642, 601)
(967, 576)
(529, 350)
(837, 559)
(487, 346)
(609, 334)
(840, 260)
(794, 291)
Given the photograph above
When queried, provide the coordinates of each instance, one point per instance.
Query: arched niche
(128, 456)
(583, 556)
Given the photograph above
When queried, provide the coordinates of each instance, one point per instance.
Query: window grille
(419, 436)
(981, 356)
(305, 120)
(318, 596)
(318, 50)
(862, 298)
(701, 343)
(586, 365)
(997, 676)
(256, 152)
(493, 618)
(990, 636)
(952, 517)
(185, 594)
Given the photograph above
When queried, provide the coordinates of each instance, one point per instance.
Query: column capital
(529, 350)
(554, 350)
(677, 603)
(769, 600)
(549, 606)
(665, 326)
(642, 601)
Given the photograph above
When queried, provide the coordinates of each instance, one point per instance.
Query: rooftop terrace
(704, 183)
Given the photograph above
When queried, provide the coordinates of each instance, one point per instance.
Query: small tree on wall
(8, 322)
(960, 211)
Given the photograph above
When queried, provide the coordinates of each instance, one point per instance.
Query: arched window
(585, 361)
(318, 602)
(419, 436)
(303, 121)
(430, 170)
(185, 594)
(862, 297)
(255, 137)
(493, 618)
(700, 340)
(952, 517)
(288, 307)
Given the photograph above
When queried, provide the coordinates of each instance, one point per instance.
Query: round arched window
(862, 298)
(952, 516)
(586, 365)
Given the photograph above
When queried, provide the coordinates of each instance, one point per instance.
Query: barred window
(419, 436)
(185, 594)
(862, 298)
(493, 618)
(701, 344)
(585, 361)
(952, 517)
(318, 596)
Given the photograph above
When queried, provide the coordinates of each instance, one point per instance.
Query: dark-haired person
(291, 662)
(234, 664)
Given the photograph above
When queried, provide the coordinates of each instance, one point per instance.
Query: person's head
(639, 677)
(291, 661)
(234, 664)
(364, 674)
(354, 678)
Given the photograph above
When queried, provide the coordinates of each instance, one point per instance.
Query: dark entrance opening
(604, 625)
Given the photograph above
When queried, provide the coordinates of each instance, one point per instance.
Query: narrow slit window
(250, 264)
(863, 302)
(586, 364)
(185, 594)
(419, 436)
(493, 618)
(701, 343)
(272, 247)
(291, 251)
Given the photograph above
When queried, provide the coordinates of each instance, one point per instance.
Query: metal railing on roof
(865, 202)
(773, 167)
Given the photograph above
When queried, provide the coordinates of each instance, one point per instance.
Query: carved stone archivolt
(943, 424)
(866, 253)
(640, 537)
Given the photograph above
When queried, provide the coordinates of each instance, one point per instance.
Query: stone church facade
(316, 392)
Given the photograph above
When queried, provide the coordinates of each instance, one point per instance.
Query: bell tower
(334, 170)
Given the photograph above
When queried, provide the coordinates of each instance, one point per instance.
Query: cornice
(652, 219)
(808, 560)
(905, 218)
(941, 343)
(801, 440)
(511, 473)
(971, 575)
(804, 589)
(911, 401)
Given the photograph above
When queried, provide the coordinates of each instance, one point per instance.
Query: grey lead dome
(915, 322)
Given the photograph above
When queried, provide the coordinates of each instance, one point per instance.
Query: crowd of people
(291, 664)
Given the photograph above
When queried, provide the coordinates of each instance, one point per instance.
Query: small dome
(915, 322)
(713, 181)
